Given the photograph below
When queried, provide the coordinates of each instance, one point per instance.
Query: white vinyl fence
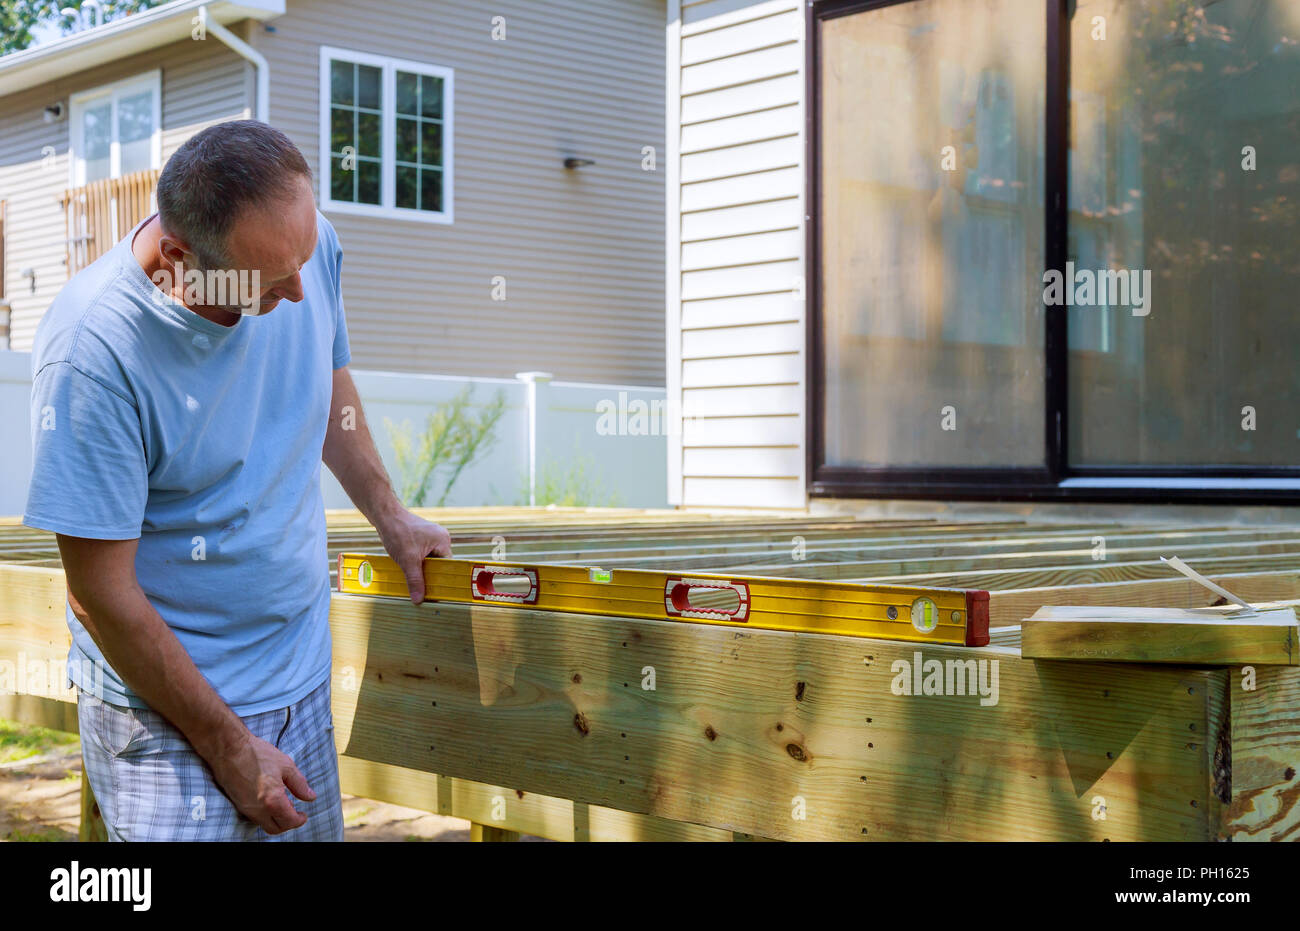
(556, 441)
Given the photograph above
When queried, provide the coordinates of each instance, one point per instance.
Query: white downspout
(244, 50)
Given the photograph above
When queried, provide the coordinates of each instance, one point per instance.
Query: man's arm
(106, 597)
(351, 455)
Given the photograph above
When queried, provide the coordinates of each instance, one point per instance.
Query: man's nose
(292, 291)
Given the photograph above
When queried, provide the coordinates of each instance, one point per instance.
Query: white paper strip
(1201, 580)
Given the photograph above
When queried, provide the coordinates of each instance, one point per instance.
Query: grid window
(387, 127)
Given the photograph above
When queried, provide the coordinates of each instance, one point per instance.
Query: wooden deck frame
(746, 730)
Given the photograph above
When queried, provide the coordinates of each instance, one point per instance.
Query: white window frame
(387, 206)
(149, 80)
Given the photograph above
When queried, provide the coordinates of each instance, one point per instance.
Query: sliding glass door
(1052, 240)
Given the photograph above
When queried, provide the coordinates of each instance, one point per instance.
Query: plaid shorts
(152, 786)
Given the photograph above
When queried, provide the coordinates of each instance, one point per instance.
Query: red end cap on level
(977, 619)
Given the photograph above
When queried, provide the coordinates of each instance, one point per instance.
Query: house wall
(735, 307)
(581, 250)
(202, 83)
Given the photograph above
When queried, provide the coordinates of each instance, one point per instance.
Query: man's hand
(254, 774)
(408, 539)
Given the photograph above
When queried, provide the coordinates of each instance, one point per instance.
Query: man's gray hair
(217, 174)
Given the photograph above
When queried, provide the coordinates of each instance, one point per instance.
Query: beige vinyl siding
(202, 83)
(581, 250)
(202, 89)
(737, 362)
(31, 186)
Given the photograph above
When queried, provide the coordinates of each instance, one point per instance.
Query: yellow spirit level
(890, 612)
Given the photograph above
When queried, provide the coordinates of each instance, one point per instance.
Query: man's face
(275, 242)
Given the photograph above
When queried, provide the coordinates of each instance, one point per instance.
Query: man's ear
(174, 251)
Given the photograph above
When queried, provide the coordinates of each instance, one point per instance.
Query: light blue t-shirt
(204, 442)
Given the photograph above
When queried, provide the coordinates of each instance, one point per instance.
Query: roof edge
(128, 35)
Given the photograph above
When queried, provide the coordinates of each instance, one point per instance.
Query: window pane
(96, 139)
(368, 134)
(431, 97)
(932, 234)
(408, 89)
(135, 117)
(431, 143)
(407, 186)
(1161, 189)
(96, 132)
(408, 140)
(137, 156)
(430, 189)
(368, 86)
(341, 128)
(342, 76)
(367, 182)
(341, 180)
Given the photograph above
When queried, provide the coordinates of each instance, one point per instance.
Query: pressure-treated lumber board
(27, 593)
(34, 642)
(1008, 636)
(1010, 606)
(92, 828)
(524, 812)
(40, 711)
(1265, 765)
(1159, 635)
(1216, 742)
(480, 833)
(748, 730)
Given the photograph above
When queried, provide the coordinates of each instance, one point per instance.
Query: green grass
(21, 741)
(45, 835)
(356, 816)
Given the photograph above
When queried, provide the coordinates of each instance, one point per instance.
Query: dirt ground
(40, 796)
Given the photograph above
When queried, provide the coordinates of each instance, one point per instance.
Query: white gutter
(244, 50)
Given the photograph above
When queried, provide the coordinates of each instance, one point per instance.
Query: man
(178, 433)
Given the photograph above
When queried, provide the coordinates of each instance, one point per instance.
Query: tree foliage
(19, 17)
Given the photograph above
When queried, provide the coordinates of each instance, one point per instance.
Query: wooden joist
(1211, 636)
